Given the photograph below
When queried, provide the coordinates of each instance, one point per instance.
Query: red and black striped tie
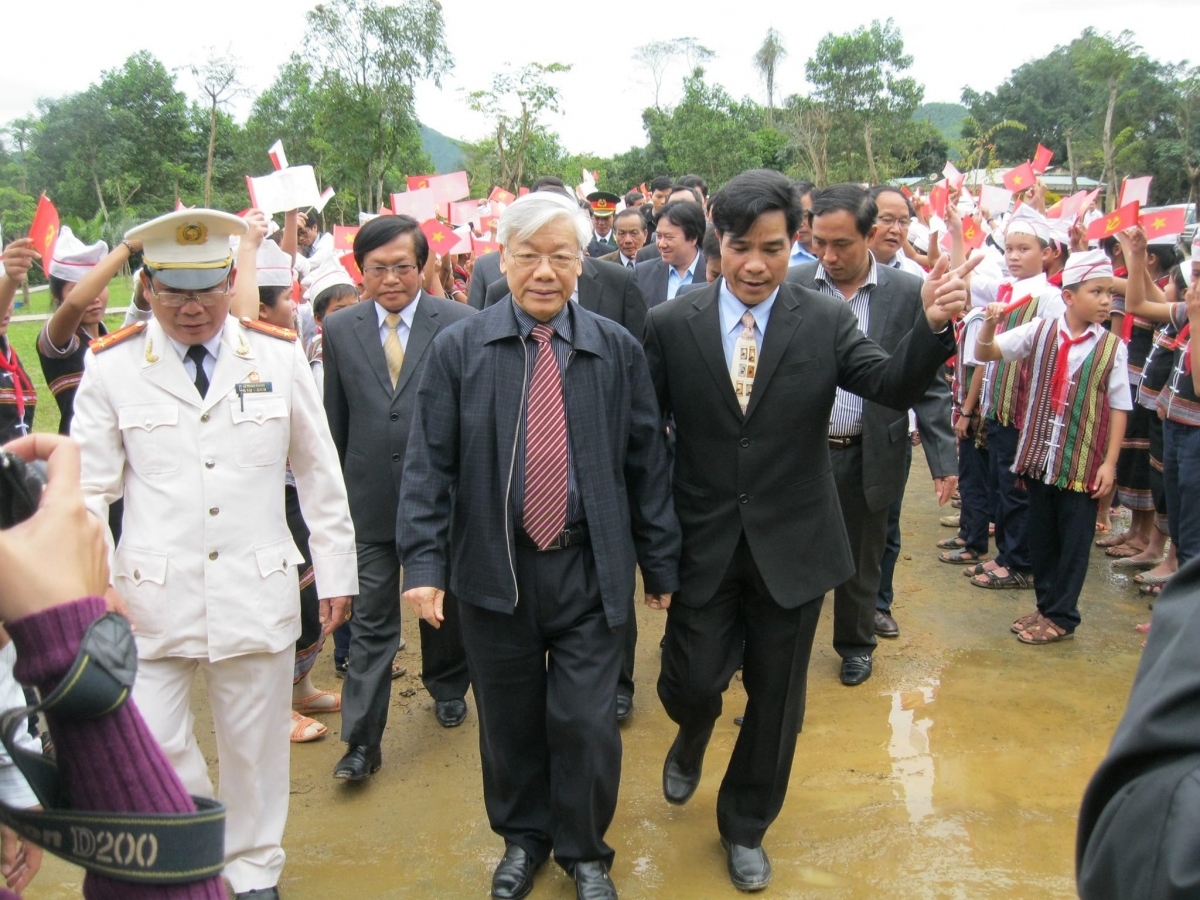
(545, 514)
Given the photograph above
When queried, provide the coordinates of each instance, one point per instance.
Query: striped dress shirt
(846, 419)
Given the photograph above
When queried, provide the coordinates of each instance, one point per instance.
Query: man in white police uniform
(191, 417)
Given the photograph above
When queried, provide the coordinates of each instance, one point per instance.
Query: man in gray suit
(868, 441)
(374, 354)
(680, 231)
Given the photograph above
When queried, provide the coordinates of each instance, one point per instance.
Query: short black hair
(711, 245)
(803, 188)
(385, 229)
(1166, 255)
(269, 295)
(745, 197)
(630, 212)
(633, 197)
(889, 189)
(57, 286)
(852, 198)
(695, 192)
(312, 218)
(326, 297)
(551, 183)
(662, 183)
(687, 216)
(693, 181)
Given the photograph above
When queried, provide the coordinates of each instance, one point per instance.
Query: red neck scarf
(1060, 380)
(20, 381)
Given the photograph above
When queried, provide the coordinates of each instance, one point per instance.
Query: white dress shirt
(405, 326)
(212, 345)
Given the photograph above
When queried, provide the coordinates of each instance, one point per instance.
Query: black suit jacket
(485, 272)
(369, 421)
(768, 473)
(649, 251)
(652, 278)
(598, 247)
(896, 308)
(607, 289)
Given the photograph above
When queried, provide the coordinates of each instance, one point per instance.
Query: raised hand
(945, 292)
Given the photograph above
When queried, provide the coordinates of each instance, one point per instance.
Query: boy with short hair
(1071, 426)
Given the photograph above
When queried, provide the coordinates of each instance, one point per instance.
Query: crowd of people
(720, 391)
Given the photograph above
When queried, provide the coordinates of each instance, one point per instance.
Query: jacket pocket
(260, 428)
(898, 429)
(278, 594)
(140, 577)
(150, 433)
(797, 367)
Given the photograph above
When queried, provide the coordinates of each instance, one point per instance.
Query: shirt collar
(561, 323)
(1093, 330)
(691, 270)
(732, 309)
(406, 314)
(872, 276)
(212, 345)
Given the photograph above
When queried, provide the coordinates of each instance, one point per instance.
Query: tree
(809, 126)
(657, 57)
(1106, 61)
(218, 81)
(767, 60)
(521, 144)
(1187, 119)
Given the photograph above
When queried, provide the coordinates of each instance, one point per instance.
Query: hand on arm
(333, 613)
(65, 321)
(658, 601)
(985, 342)
(945, 292)
(18, 259)
(427, 602)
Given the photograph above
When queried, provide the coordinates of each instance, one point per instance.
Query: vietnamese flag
(500, 195)
(1110, 223)
(1041, 160)
(448, 188)
(351, 267)
(1021, 178)
(278, 157)
(343, 237)
(1135, 189)
(488, 223)
(441, 236)
(482, 248)
(1164, 223)
(906, 192)
(522, 191)
(419, 182)
(939, 198)
(44, 230)
(953, 176)
(973, 235)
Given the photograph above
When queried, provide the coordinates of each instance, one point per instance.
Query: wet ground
(955, 772)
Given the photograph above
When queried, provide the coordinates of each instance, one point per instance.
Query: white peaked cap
(1027, 220)
(73, 258)
(1086, 266)
(273, 265)
(325, 277)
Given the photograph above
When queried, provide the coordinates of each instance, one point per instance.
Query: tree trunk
(1110, 170)
(99, 194)
(1071, 164)
(212, 144)
(870, 154)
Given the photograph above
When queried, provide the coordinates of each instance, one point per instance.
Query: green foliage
(947, 118)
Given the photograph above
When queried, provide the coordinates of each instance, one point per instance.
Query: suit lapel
(234, 363)
(660, 285)
(590, 288)
(881, 309)
(368, 335)
(424, 327)
(785, 319)
(161, 364)
(705, 323)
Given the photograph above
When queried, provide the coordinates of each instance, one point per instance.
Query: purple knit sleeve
(109, 764)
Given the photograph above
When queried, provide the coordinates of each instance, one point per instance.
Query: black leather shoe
(855, 670)
(624, 707)
(513, 878)
(451, 713)
(885, 625)
(592, 881)
(271, 893)
(359, 763)
(749, 868)
(681, 771)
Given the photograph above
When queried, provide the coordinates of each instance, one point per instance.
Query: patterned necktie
(196, 353)
(629, 264)
(745, 361)
(545, 514)
(392, 351)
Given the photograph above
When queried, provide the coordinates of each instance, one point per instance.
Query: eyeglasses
(563, 262)
(400, 271)
(889, 222)
(173, 300)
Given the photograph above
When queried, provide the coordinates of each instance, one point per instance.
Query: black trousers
(892, 545)
(976, 512)
(1062, 525)
(310, 604)
(854, 601)
(703, 649)
(545, 683)
(625, 681)
(1010, 503)
(374, 638)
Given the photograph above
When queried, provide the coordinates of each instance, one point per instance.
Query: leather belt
(841, 443)
(572, 536)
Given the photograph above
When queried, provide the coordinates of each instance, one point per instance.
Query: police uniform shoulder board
(283, 334)
(112, 339)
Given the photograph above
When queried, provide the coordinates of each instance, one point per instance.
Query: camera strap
(150, 848)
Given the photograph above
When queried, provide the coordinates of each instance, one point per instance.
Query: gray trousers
(854, 600)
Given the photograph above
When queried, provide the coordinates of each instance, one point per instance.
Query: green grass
(23, 336)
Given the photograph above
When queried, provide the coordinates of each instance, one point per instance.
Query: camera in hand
(21, 485)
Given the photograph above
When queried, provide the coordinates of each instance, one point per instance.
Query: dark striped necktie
(545, 514)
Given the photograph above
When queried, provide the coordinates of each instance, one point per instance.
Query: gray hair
(533, 212)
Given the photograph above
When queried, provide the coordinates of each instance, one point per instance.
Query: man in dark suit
(869, 442)
(680, 231)
(374, 353)
(755, 492)
(630, 229)
(540, 418)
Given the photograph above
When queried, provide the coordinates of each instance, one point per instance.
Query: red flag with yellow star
(482, 248)
(1021, 178)
(343, 237)
(1164, 222)
(1109, 224)
(500, 195)
(44, 230)
(1041, 159)
(441, 236)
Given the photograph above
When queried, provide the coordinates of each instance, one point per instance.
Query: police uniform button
(258, 416)
(204, 417)
(213, 555)
(149, 423)
(209, 463)
(214, 510)
(137, 575)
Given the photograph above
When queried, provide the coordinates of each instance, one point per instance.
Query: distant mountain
(946, 118)
(445, 152)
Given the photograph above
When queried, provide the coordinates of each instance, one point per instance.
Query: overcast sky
(61, 49)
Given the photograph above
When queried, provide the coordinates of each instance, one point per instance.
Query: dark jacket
(896, 308)
(464, 440)
(652, 278)
(607, 289)
(370, 422)
(768, 473)
(1139, 827)
(485, 272)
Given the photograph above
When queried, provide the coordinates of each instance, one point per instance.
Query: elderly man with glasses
(538, 419)
(191, 417)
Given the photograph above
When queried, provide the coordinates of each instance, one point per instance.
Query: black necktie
(196, 353)
(629, 263)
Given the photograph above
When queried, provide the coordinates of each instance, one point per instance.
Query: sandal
(1150, 590)
(398, 671)
(962, 556)
(302, 729)
(950, 521)
(1130, 563)
(954, 543)
(1101, 528)
(972, 571)
(994, 582)
(1124, 551)
(1044, 631)
(1113, 539)
(1025, 622)
(311, 705)
(1147, 578)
